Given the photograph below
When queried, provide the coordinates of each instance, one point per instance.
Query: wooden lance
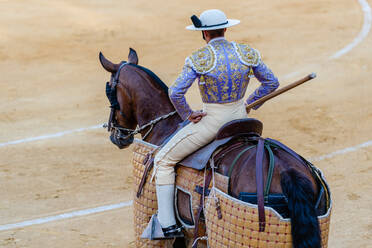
(280, 91)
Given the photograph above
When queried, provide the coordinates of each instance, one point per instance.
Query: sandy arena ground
(51, 81)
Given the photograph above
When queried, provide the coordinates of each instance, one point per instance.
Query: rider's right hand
(196, 116)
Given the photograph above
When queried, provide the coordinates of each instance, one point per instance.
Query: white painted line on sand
(49, 136)
(69, 215)
(342, 151)
(366, 28)
(363, 32)
(65, 216)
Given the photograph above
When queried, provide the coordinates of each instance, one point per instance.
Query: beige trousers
(193, 136)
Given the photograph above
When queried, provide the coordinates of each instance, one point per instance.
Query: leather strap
(149, 163)
(208, 180)
(270, 172)
(229, 148)
(260, 185)
(237, 158)
(233, 165)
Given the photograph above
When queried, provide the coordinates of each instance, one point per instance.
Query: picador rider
(223, 70)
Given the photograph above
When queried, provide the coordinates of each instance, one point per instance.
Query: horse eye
(122, 114)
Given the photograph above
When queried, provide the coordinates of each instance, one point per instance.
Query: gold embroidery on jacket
(203, 60)
(224, 70)
(247, 54)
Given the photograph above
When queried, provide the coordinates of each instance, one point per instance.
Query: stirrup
(174, 231)
(154, 231)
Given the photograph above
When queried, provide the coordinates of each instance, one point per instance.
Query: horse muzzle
(121, 139)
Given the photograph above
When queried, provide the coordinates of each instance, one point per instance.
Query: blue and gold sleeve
(179, 88)
(268, 81)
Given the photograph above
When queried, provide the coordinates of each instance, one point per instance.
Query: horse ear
(109, 66)
(132, 56)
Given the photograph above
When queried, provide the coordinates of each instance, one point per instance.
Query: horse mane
(153, 76)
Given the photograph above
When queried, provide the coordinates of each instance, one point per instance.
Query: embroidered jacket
(223, 70)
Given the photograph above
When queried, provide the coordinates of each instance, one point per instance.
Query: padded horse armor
(247, 126)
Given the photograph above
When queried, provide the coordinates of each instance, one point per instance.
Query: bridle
(122, 133)
(132, 132)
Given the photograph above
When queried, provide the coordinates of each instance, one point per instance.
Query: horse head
(122, 121)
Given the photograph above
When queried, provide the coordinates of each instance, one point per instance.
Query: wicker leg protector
(146, 205)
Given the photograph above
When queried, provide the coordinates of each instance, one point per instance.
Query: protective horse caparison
(142, 100)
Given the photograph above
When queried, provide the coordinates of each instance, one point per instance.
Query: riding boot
(165, 196)
(163, 224)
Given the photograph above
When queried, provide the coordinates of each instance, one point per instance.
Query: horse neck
(151, 102)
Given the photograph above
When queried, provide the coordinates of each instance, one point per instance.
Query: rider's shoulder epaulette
(247, 55)
(203, 60)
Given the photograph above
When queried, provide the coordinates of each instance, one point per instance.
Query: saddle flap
(200, 158)
(240, 126)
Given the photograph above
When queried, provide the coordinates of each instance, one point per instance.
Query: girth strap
(259, 183)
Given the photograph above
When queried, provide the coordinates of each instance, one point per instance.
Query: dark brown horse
(141, 99)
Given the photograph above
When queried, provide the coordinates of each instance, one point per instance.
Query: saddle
(240, 127)
(199, 159)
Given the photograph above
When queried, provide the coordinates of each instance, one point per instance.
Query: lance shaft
(280, 91)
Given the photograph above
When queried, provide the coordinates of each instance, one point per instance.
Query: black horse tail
(304, 222)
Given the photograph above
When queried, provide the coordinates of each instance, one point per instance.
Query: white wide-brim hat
(210, 20)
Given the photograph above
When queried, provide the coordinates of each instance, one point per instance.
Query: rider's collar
(216, 39)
